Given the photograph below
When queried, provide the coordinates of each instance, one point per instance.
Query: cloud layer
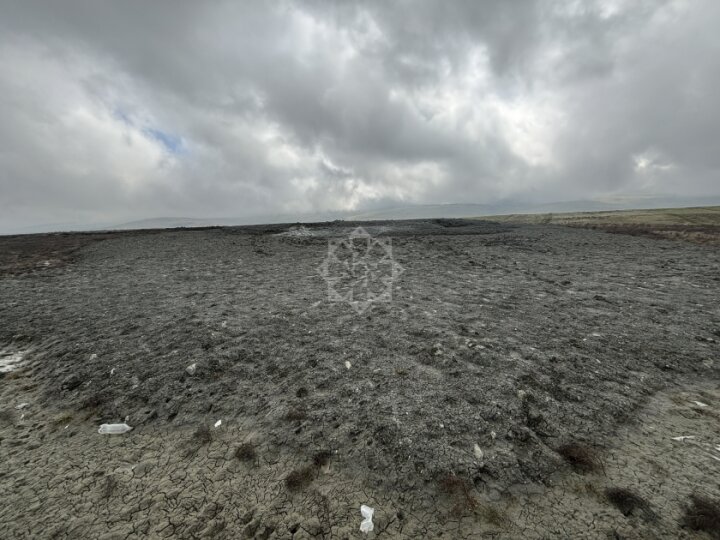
(114, 111)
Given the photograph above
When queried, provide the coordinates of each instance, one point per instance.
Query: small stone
(479, 455)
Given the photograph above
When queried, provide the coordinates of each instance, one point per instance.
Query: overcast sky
(113, 111)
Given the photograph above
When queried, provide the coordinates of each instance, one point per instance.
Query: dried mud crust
(518, 340)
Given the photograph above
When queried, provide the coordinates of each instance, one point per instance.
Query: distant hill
(410, 211)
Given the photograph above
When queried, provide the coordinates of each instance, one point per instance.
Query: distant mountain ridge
(418, 211)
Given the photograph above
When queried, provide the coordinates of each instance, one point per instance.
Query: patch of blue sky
(172, 143)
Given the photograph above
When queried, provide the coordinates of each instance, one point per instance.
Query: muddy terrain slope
(523, 381)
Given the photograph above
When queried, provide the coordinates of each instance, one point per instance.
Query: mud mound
(501, 347)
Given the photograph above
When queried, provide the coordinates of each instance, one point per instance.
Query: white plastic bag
(114, 429)
(367, 513)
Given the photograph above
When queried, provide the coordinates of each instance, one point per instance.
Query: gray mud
(523, 340)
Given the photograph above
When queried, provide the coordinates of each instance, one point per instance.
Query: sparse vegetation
(699, 225)
(459, 492)
(295, 414)
(300, 478)
(580, 457)
(202, 435)
(108, 487)
(494, 516)
(322, 458)
(63, 419)
(246, 452)
(703, 514)
(6, 417)
(626, 500)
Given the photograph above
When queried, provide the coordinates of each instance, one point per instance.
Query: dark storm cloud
(115, 111)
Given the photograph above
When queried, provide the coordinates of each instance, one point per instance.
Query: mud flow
(482, 380)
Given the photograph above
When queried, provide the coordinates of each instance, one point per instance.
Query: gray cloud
(117, 111)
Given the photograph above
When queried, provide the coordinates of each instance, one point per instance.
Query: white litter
(112, 371)
(21, 406)
(367, 513)
(218, 423)
(114, 429)
(348, 365)
(10, 361)
(683, 438)
(478, 452)
(191, 369)
(700, 404)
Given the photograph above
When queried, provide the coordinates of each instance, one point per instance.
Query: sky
(115, 111)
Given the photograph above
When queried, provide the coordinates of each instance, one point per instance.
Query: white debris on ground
(683, 438)
(700, 404)
(191, 369)
(22, 405)
(10, 361)
(113, 429)
(479, 455)
(367, 513)
(218, 423)
(348, 365)
(297, 231)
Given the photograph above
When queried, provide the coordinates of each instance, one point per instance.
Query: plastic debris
(700, 404)
(683, 438)
(493, 435)
(22, 406)
(191, 369)
(348, 365)
(112, 371)
(218, 423)
(478, 452)
(367, 513)
(10, 361)
(114, 429)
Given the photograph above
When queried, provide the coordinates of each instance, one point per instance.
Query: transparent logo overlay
(360, 270)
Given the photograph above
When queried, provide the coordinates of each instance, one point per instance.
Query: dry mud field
(525, 381)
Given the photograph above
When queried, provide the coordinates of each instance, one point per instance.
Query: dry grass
(697, 225)
(494, 516)
(246, 452)
(295, 415)
(581, 458)
(626, 500)
(458, 491)
(703, 514)
(322, 458)
(300, 478)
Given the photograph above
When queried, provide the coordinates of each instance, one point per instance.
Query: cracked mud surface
(519, 340)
